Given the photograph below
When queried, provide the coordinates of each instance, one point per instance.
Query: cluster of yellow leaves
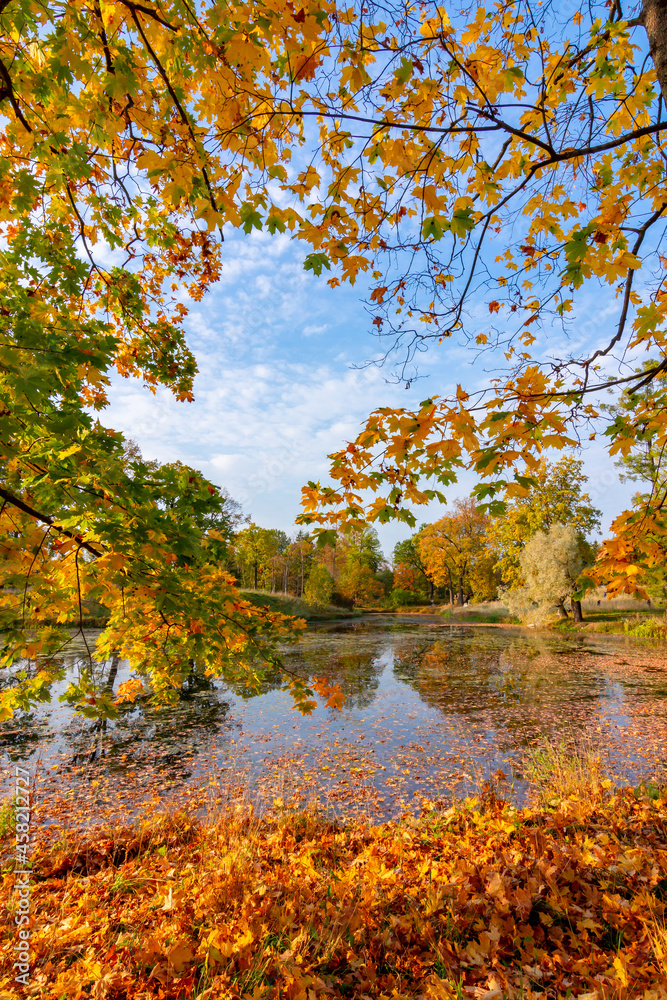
(477, 901)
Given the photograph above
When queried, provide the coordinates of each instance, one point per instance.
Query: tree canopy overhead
(510, 155)
(517, 152)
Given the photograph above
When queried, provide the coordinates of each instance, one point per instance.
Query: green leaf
(315, 262)
(526, 481)
(462, 222)
(273, 224)
(404, 71)
(431, 229)
(251, 218)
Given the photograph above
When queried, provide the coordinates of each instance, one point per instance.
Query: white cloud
(275, 392)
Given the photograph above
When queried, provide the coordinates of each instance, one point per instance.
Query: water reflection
(518, 685)
(429, 711)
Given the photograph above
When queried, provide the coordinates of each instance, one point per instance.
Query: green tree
(319, 587)
(302, 551)
(255, 547)
(360, 546)
(409, 569)
(556, 498)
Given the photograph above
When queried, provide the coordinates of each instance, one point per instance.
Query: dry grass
(559, 772)
(656, 929)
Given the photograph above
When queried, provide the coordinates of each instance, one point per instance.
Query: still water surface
(431, 712)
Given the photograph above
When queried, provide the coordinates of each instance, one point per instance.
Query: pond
(432, 710)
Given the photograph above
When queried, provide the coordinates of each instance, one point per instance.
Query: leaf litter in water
(429, 715)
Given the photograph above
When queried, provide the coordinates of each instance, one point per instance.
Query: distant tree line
(351, 572)
(534, 557)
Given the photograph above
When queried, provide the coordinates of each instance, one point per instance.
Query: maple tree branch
(148, 11)
(459, 306)
(568, 154)
(179, 107)
(105, 44)
(82, 225)
(586, 390)
(628, 288)
(498, 125)
(15, 501)
(9, 92)
(652, 374)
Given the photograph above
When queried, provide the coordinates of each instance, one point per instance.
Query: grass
(643, 626)
(611, 617)
(647, 624)
(490, 614)
(499, 617)
(289, 604)
(7, 818)
(558, 772)
(479, 899)
(657, 933)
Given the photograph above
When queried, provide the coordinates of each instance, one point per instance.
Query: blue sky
(277, 388)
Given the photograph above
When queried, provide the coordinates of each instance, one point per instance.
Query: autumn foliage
(510, 157)
(482, 900)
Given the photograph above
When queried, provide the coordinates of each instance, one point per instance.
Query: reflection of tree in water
(531, 687)
(358, 675)
(158, 735)
(142, 735)
(356, 671)
(21, 736)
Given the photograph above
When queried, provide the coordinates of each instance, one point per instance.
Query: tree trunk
(113, 670)
(451, 587)
(431, 592)
(654, 15)
(255, 568)
(301, 594)
(576, 610)
(461, 601)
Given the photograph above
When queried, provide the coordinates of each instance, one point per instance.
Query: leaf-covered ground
(479, 901)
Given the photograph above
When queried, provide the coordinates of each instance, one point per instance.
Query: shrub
(648, 628)
(319, 587)
(400, 598)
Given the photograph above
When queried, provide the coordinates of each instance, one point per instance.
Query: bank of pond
(476, 900)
